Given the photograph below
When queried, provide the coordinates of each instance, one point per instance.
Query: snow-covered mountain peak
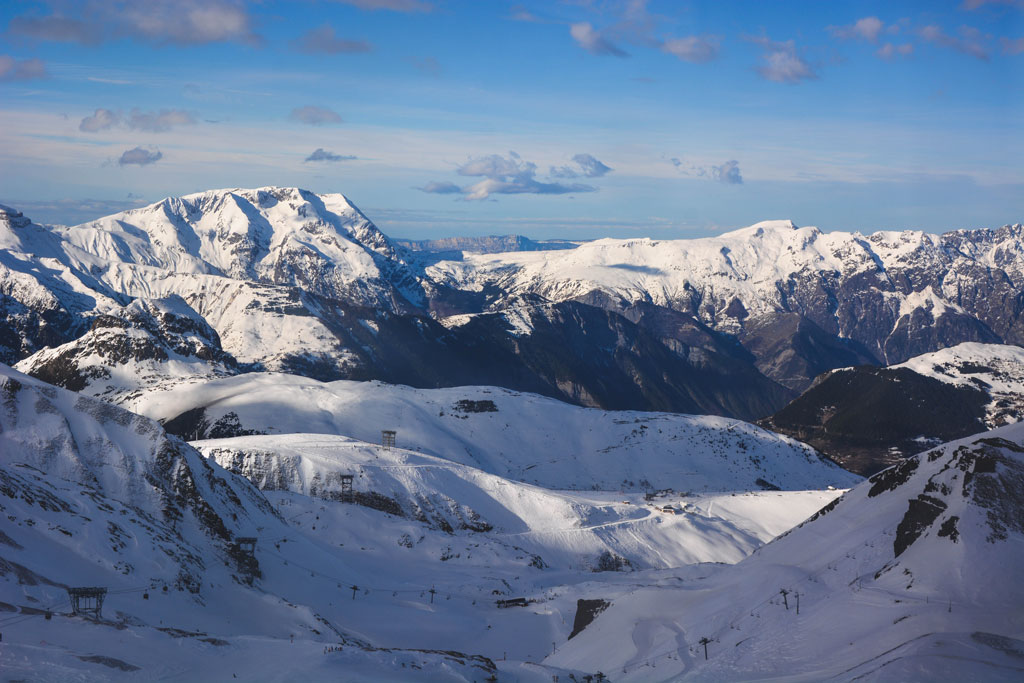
(12, 216)
(270, 235)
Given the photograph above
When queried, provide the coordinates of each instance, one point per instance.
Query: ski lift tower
(87, 601)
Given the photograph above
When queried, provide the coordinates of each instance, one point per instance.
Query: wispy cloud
(74, 211)
(182, 22)
(323, 40)
(152, 122)
(975, 4)
(695, 49)
(108, 81)
(140, 157)
(314, 115)
(971, 41)
(1012, 46)
(12, 69)
(890, 50)
(635, 25)
(157, 122)
(428, 66)
(441, 187)
(781, 63)
(593, 42)
(503, 175)
(393, 5)
(322, 154)
(867, 28)
(520, 13)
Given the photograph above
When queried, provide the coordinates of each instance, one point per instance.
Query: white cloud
(728, 172)
(505, 175)
(589, 167)
(103, 119)
(781, 63)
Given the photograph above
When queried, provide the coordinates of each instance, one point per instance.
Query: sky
(575, 119)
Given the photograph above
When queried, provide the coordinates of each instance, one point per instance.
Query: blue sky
(573, 119)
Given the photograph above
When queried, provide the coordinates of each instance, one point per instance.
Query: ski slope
(514, 435)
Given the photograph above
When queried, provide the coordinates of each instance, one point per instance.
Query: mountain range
(736, 325)
(291, 447)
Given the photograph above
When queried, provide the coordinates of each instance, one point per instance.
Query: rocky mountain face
(868, 418)
(44, 301)
(145, 343)
(291, 281)
(799, 299)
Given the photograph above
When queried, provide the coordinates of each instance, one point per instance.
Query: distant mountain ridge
(733, 325)
(491, 244)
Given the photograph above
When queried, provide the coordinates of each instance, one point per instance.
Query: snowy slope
(517, 436)
(996, 369)
(94, 495)
(561, 528)
(909, 576)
